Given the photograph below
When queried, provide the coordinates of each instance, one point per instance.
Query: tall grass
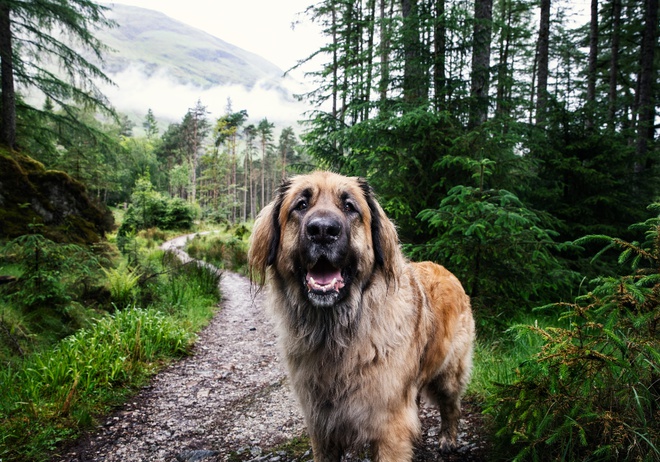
(498, 356)
(189, 293)
(226, 250)
(50, 395)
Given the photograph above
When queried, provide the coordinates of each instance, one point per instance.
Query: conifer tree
(31, 36)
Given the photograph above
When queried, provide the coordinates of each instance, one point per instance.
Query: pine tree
(483, 18)
(30, 36)
(150, 125)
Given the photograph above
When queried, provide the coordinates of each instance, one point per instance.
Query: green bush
(123, 284)
(503, 252)
(593, 392)
(52, 273)
(225, 251)
(149, 209)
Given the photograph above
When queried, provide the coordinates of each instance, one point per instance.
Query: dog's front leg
(326, 451)
(394, 450)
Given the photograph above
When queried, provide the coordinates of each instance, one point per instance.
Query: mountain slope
(158, 44)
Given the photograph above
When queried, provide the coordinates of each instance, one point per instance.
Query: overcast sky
(263, 27)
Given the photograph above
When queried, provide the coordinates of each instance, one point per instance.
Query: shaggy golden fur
(363, 330)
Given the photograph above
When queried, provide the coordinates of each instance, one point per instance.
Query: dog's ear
(383, 234)
(265, 238)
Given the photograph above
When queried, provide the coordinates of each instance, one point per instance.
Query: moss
(53, 202)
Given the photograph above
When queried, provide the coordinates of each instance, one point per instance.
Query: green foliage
(54, 393)
(227, 250)
(592, 392)
(189, 292)
(587, 181)
(51, 274)
(150, 208)
(122, 282)
(498, 354)
(42, 34)
(49, 395)
(502, 251)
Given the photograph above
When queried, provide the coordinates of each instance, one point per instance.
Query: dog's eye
(349, 207)
(302, 205)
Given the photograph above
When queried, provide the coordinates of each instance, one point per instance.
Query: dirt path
(229, 400)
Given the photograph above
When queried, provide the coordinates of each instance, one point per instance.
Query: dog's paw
(447, 444)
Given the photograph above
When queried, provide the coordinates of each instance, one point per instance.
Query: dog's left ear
(265, 238)
(383, 233)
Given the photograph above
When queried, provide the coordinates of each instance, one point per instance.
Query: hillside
(159, 63)
(157, 44)
(34, 199)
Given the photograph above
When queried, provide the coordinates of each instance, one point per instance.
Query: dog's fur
(370, 331)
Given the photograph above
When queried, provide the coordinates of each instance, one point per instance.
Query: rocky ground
(230, 401)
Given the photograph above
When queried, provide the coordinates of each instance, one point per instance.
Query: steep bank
(48, 202)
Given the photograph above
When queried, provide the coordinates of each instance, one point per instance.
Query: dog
(363, 331)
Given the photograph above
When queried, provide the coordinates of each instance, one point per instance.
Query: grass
(226, 249)
(49, 395)
(498, 355)
(53, 387)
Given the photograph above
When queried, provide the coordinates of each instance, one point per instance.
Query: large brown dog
(363, 330)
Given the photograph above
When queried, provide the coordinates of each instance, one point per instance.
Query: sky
(263, 27)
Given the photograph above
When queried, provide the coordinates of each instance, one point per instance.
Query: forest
(511, 141)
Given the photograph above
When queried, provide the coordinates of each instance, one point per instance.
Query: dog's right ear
(265, 238)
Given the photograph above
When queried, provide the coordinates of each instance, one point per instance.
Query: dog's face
(326, 232)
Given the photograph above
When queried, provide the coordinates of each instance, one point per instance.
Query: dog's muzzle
(326, 248)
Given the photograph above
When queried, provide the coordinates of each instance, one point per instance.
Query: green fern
(592, 392)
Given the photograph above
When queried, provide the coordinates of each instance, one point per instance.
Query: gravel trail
(230, 401)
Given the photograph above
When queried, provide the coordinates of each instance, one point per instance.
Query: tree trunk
(480, 79)
(371, 24)
(335, 70)
(593, 59)
(543, 60)
(503, 84)
(647, 77)
(413, 76)
(614, 62)
(439, 52)
(193, 161)
(263, 171)
(8, 99)
(384, 31)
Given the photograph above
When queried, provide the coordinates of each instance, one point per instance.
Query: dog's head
(326, 233)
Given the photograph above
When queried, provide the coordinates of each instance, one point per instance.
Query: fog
(135, 92)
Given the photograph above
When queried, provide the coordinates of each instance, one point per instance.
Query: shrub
(52, 274)
(593, 392)
(122, 282)
(150, 208)
(223, 251)
(503, 252)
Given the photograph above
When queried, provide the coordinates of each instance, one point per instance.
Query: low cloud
(136, 92)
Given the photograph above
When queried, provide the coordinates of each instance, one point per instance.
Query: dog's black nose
(324, 229)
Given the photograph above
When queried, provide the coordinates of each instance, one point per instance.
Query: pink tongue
(324, 277)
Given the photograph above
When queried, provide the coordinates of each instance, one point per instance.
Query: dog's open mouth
(324, 278)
